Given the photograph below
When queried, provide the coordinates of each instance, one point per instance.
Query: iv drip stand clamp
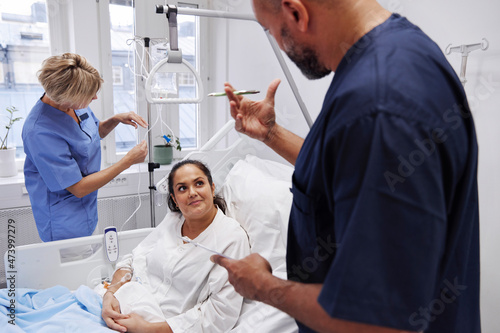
(465, 50)
(173, 64)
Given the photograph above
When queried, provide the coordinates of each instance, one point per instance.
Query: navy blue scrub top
(385, 201)
(59, 153)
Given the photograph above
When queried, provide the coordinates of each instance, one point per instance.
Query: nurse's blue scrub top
(385, 200)
(59, 153)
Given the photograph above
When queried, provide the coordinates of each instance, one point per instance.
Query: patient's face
(192, 192)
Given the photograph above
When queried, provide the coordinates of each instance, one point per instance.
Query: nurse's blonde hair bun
(69, 79)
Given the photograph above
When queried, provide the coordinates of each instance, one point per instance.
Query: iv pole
(151, 165)
(166, 9)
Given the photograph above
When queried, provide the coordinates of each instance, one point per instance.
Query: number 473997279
(11, 239)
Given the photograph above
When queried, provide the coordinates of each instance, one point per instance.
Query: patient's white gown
(178, 283)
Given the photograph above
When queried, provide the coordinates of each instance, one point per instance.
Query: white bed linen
(193, 293)
(134, 297)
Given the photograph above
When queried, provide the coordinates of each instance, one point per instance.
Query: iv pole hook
(465, 50)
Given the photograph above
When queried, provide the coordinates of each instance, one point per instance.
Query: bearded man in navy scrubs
(384, 227)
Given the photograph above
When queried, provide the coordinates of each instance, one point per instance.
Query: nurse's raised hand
(137, 154)
(128, 118)
(253, 118)
(131, 118)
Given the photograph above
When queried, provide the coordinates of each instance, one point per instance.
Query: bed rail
(45, 265)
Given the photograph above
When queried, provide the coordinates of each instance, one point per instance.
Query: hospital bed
(258, 196)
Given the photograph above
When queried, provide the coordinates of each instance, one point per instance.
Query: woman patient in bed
(168, 285)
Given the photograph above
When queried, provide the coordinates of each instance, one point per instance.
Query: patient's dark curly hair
(218, 200)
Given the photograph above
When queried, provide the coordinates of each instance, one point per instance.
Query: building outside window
(188, 113)
(121, 14)
(117, 76)
(24, 44)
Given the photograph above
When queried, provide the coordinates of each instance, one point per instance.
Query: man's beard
(306, 58)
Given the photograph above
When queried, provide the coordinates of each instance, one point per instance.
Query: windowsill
(17, 179)
(136, 168)
(133, 181)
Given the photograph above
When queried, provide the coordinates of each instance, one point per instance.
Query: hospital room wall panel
(22, 224)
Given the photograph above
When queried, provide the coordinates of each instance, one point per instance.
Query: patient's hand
(135, 323)
(111, 312)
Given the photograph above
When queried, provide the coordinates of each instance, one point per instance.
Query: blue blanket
(55, 309)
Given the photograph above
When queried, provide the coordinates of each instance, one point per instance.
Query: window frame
(173, 112)
(84, 28)
(170, 113)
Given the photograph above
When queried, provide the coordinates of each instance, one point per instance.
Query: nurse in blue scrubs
(61, 137)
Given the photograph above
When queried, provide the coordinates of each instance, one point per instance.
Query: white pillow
(258, 196)
(273, 169)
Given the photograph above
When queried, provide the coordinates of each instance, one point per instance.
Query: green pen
(237, 92)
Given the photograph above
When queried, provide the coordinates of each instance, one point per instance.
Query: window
(186, 80)
(24, 44)
(182, 119)
(27, 38)
(121, 14)
(188, 113)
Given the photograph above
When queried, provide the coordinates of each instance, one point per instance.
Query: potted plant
(164, 153)
(8, 155)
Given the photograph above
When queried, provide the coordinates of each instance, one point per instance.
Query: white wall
(249, 63)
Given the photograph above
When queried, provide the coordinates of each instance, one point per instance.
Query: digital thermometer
(188, 240)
